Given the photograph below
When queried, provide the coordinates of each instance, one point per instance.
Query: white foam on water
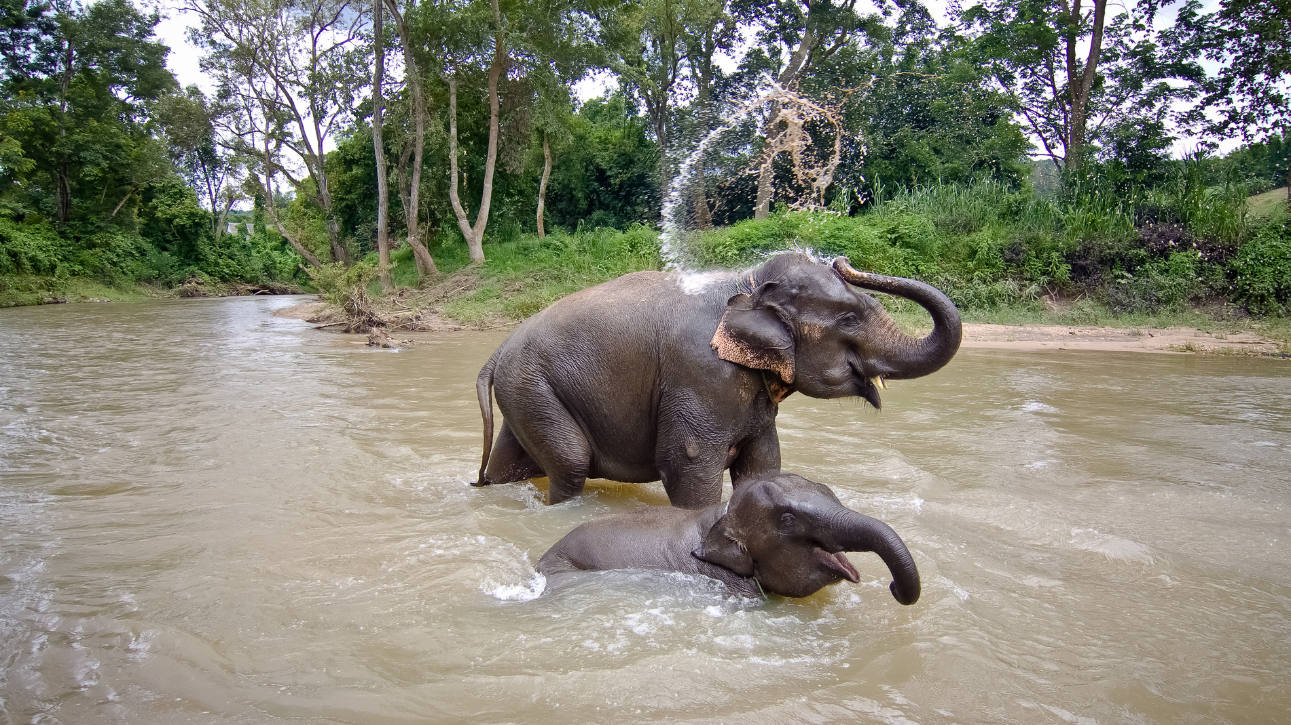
(522, 592)
(914, 503)
(1069, 717)
(1034, 406)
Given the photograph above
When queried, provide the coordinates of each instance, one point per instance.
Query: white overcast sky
(183, 58)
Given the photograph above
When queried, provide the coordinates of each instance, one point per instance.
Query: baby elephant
(779, 533)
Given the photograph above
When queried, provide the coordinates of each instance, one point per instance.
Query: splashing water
(672, 235)
(670, 238)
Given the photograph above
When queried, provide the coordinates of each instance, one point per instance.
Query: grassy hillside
(1263, 205)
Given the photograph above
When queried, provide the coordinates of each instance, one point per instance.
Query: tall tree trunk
(271, 205)
(699, 196)
(788, 77)
(221, 221)
(63, 187)
(420, 254)
(291, 239)
(1080, 86)
(702, 69)
(121, 203)
(474, 234)
(660, 116)
(542, 186)
(378, 147)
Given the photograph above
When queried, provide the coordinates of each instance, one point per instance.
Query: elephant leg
(758, 455)
(559, 447)
(693, 483)
(509, 461)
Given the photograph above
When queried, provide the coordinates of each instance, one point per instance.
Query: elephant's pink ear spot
(753, 336)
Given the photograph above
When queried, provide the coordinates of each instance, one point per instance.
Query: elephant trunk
(852, 531)
(905, 356)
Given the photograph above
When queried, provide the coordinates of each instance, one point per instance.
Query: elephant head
(815, 327)
(789, 534)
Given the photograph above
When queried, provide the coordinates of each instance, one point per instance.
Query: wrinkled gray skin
(636, 380)
(779, 534)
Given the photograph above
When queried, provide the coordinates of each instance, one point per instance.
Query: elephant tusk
(878, 382)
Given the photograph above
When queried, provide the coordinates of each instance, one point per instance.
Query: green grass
(1267, 203)
(18, 290)
(520, 278)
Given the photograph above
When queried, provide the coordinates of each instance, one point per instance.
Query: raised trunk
(378, 146)
(907, 357)
(852, 531)
(425, 263)
(542, 186)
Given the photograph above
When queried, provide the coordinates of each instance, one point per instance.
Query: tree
(188, 120)
(410, 180)
(378, 145)
(1031, 50)
(78, 84)
(1250, 95)
(710, 30)
(300, 62)
(552, 118)
(647, 40)
(922, 107)
(811, 31)
(457, 61)
(510, 48)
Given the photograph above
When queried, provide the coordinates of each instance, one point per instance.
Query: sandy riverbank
(1176, 340)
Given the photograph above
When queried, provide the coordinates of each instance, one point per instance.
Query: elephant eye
(787, 520)
(849, 321)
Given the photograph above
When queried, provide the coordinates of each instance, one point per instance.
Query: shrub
(1159, 285)
(1261, 271)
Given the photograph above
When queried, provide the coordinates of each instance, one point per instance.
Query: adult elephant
(656, 376)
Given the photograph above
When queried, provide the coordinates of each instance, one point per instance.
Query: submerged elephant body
(640, 379)
(779, 534)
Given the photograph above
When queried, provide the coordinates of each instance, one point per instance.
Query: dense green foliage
(89, 187)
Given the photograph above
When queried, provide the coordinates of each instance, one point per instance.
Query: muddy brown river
(212, 515)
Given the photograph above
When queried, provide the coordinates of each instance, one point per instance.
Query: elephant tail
(484, 391)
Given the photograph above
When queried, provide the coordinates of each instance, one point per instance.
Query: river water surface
(212, 515)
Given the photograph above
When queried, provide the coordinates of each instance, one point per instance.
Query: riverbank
(1216, 340)
(26, 290)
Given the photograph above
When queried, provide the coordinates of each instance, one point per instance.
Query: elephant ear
(752, 335)
(721, 548)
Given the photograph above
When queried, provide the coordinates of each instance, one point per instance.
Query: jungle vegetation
(1020, 152)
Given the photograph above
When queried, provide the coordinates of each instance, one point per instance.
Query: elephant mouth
(837, 563)
(868, 387)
